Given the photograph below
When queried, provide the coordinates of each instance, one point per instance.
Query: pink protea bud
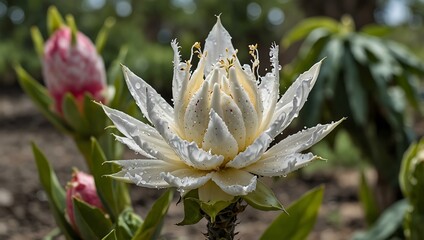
(74, 68)
(82, 187)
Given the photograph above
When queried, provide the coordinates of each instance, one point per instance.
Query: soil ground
(24, 211)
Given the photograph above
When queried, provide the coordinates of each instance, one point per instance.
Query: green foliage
(263, 198)
(361, 79)
(54, 20)
(387, 225)
(192, 212)
(127, 224)
(55, 193)
(368, 201)
(299, 220)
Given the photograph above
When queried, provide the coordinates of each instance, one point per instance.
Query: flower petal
(180, 71)
(131, 144)
(302, 140)
(186, 179)
(252, 152)
(189, 153)
(295, 97)
(280, 165)
(211, 193)
(138, 88)
(218, 138)
(144, 172)
(235, 182)
(217, 45)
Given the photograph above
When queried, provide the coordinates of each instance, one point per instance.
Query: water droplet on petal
(137, 86)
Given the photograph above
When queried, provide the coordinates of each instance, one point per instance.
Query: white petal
(269, 89)
(302, 140)
(235, 182)
(218, 139)
(196, 117)
(186, 179)
(181, 72)
(145, 172)
(189, 153)
(280, 165)
(252, 152)
(295, 97)
(250, 116)
(138, 88)
(211, 193)
(218, 45)
(132, 145)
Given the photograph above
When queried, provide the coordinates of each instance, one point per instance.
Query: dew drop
(137, 86)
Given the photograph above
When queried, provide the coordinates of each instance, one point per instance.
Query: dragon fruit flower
(217, 136)
(82, 187)
(73, 67)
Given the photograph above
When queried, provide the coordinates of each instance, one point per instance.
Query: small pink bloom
(74, 68)
(82, 187)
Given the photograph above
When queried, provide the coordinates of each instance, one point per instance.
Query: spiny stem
(223, 228)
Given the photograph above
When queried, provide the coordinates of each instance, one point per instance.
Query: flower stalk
(224, 224)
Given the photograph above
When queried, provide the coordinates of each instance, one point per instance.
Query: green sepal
(192, 211)
(263, 198)
(300, 220)
(110, 236)
(104, 33)
(73, 116)
(113, 194)
(54, 20)
(41, 97)
(55, 193)
(74, 30)
(368, 201)
(127, 224)
(92, 223)
(212, 209)
(38, 41)
(153, 222)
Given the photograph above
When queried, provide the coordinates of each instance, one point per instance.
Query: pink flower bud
(70, 67)
(82, 187)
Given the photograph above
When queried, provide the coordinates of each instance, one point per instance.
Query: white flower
(216, 138)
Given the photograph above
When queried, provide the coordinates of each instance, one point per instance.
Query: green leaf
(367, 200)
(38, 41)
(127, 224)
(263, 198)
(74, 30)
(192, 213)
(40, 97)
(95, 116)
(376, 30)
(300, 219)
(356, 94)
(113, 194)
(110, 236)
(153, 222)
(388, 223)
(306, 26)
(103, 34)
(54, 191)
(91, 222)
(73, 116)
(54, 19)
(405, 168)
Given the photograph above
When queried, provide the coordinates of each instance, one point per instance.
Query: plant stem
(223, 228)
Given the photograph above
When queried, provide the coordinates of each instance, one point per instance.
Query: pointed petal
(144, 172)
(211, 193)
(189, 153)
(138, 88)
(302, 140)
(235, 182)
(131, 144)
(186, 179)
(218, 138)
(252, 152)
(295, 97)
(180, 71)
(218, 45)
(250, 116)
(196, 116)
(274, 166)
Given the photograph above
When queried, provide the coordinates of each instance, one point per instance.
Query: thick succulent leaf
(54, 191)
(273, 166)
(263, 198)
(92, 223)
(235, 182)
(153, 222)
(299, 221)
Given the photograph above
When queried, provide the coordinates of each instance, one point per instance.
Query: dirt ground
(24, 211)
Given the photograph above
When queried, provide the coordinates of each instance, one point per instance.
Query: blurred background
(373, 75)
